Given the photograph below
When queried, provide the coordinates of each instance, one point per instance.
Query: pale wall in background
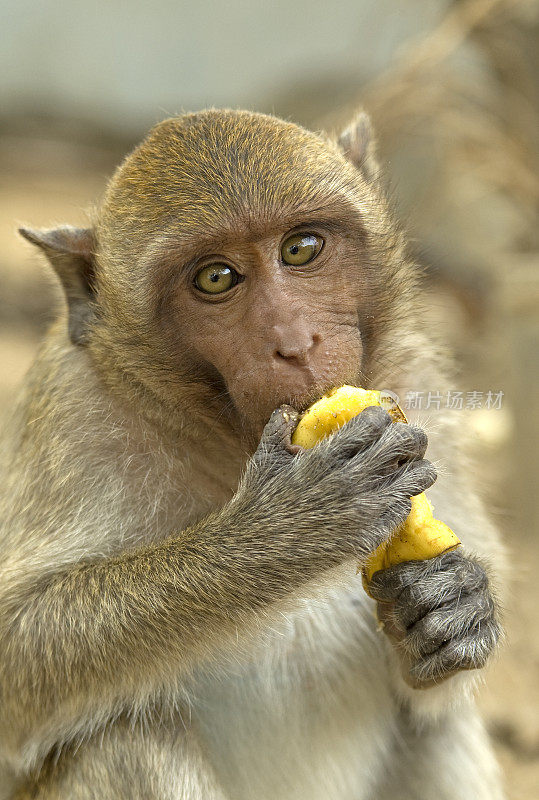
(125, 65)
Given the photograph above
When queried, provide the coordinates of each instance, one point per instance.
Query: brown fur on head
(229, 187)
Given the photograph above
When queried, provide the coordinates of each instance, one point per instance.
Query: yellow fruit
(420, 536)
(331, 412)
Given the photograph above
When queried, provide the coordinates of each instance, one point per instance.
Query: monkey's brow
(188, 244)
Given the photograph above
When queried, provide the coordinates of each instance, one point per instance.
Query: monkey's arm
(99, 638)
(87, 641)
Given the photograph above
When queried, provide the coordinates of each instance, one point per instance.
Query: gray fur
(444, 613)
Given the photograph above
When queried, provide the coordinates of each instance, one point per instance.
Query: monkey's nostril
(298, 352)
(290, 358)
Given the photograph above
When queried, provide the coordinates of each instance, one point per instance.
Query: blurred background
(453, 91)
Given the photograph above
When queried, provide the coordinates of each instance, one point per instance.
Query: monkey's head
(237, 258)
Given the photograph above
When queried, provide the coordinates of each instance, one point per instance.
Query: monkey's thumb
(279, 428)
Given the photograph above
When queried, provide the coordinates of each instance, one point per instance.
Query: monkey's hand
(339, 500)
(439, 613)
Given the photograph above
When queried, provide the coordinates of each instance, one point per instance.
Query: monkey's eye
(301, 248)
(216, 278)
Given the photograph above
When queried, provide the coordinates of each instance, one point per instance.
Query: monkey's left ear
(71, 254)
(358, 146)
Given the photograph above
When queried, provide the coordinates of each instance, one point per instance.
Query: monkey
(181, 614)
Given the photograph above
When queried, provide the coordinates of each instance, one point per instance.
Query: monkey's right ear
(358, 145)
(71, 254)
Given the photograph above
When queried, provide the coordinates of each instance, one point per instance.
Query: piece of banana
(420, 536)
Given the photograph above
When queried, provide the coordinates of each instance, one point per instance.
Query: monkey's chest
(309, 716)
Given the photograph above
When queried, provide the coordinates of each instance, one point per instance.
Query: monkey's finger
(418, 600)
(391, 498)
(278, 430)
(386, 585)
(383, 527)
(470, 652)
(418, 587)
(408, 481)
(451, 621)
(395, 514)
(358, 434)
(399, 445)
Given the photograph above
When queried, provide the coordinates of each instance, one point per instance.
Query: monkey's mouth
(301, 402)
(247, 404)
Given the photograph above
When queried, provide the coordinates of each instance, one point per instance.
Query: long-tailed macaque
(181, 615)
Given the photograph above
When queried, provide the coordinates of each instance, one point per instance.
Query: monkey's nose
(298, 351)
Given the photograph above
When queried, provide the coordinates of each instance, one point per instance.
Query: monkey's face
(276, 314)
(246, 240)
